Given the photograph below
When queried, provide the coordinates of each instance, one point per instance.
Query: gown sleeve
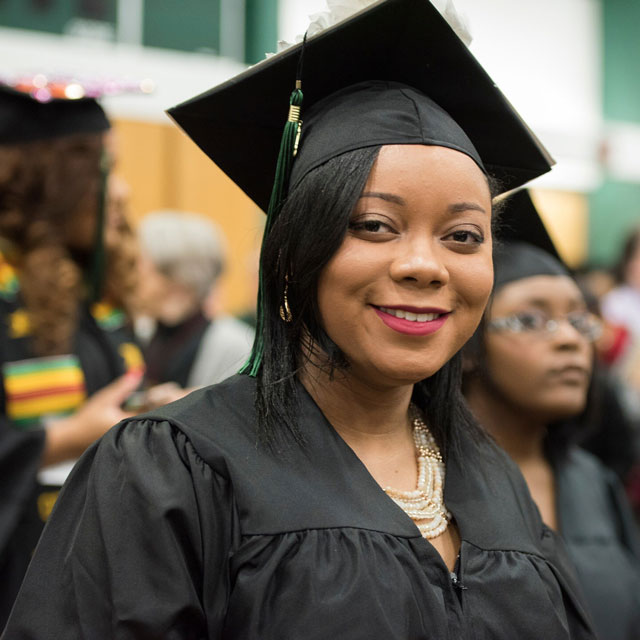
(20, 455)
(579, 621)
(627, 528)
(123, 553)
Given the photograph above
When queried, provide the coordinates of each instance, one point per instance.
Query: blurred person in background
(621, 306)
(182, 260)
(614, 435)
(527, 380)
(595, 283)
(66, 266)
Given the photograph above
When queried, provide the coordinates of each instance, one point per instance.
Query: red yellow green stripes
(8, 279)
(43, 387)
(107, 316)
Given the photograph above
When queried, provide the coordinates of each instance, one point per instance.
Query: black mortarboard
(25, 118)
(239, 124)
(372, 113)
(522, 246)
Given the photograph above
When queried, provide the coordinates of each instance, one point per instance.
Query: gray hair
(185, 247)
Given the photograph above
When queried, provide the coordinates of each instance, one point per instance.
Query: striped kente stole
(43, 387)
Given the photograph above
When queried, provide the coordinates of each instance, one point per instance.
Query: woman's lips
(570, 375)
(411, 320)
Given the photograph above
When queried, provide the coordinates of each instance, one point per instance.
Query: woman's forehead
(538, 290)
(440, 170)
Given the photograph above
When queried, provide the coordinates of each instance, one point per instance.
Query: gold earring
(285, 311)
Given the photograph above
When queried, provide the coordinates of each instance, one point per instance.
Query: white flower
(457, 21)
(341, 9)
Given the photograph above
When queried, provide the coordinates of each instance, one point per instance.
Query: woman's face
(409, 283)
(81, 165)
(543, 373)
(80, 224)
(161, 297)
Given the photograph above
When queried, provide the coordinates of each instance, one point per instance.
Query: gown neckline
(364, 476)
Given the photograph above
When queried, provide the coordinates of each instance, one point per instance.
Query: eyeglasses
(541, 324)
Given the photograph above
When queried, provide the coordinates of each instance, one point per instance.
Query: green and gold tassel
(286, 155)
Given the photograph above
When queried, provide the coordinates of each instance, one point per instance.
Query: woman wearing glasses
(529, 371)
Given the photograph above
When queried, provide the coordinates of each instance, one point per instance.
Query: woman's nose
(420, 263)
(566, 336)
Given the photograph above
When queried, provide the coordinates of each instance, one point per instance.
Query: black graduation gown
(602, 541)
(98, 351)
(177, 525)
(20, 454)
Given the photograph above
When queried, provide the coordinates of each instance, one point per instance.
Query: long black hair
(307, 233)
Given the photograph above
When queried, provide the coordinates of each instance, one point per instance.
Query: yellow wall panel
(140, 150)
(166, 170)
(566, 216)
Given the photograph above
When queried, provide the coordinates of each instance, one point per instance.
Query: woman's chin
(565, 411)
(402, 375)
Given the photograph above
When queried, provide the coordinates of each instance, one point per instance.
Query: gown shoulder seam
(177, 427)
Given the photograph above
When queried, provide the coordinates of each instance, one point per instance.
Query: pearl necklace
(425, 505)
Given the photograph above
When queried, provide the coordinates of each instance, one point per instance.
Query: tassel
(96, 274)
(286, 155)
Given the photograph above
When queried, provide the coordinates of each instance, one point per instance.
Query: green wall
(616, 205)
(621, 22)
(52, 16)
(261, 29)
(615, 208)
(187, 25)
(193, 25)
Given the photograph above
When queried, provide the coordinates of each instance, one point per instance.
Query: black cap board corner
(24, 118)
(520, 221)
(523, 247)
(239, 123)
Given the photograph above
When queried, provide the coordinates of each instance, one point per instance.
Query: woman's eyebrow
(460, 207)
(540, 303)
(571, 304)
(389, 197)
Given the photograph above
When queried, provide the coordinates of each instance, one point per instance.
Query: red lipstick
(417, 327)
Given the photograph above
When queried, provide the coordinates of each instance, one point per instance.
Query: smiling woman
(340, 487)
(414, 272)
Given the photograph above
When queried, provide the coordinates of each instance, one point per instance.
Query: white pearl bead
(425, 504)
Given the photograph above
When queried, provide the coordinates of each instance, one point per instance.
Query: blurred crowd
(613, 294)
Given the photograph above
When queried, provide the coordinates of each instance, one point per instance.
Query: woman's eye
(531, 321)
(369, 226)
(465, 236)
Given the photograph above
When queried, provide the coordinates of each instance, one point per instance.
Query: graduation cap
(29, 112)
(522, 245)
(393, 73)
(239, 123)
